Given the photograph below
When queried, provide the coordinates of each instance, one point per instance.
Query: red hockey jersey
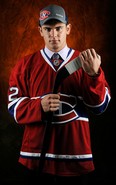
(69, 152)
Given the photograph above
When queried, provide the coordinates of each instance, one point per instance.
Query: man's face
(55, 35)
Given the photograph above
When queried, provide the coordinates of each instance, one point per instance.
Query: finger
(94, 53)
(54, 107)
(99, 57)
(83, 55)
(54, 100)
(54, 96)
(89, 54)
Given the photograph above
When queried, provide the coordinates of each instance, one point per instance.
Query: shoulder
(28, 58)
(76, 52)
(26, 61)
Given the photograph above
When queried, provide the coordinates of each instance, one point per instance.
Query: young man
(68, 155)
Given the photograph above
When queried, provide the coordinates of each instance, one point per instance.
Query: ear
(68, 28)
(40, 30)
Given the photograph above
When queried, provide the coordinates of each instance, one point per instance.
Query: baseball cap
(52, 12)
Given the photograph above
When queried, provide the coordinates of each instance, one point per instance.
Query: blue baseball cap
(52, 12)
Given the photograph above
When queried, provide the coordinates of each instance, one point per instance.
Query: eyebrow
(52, 28)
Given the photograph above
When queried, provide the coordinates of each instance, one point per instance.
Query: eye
(47, 29)
(59, 28)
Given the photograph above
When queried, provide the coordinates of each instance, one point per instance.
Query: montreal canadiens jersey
(69, 152)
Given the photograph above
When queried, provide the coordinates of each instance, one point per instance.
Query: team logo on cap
(44, 14)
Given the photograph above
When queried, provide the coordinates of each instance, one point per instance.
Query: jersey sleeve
(96, 92)
(24, 108)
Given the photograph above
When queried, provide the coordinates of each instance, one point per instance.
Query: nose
(53, 33)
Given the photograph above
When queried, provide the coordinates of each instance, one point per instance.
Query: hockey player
(68, 157)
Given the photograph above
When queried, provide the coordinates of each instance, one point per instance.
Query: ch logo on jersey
(44, 14)
(67, 111)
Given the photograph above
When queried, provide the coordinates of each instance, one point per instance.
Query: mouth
(54, 41)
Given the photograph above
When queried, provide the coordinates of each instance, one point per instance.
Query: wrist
(95, 74)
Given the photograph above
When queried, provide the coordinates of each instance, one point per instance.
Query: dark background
(93, 27)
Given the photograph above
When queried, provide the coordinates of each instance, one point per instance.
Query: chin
(55, 47)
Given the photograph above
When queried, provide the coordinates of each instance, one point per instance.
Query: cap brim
(51, 18)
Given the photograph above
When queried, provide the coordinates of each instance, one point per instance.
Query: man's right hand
(51, 102)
